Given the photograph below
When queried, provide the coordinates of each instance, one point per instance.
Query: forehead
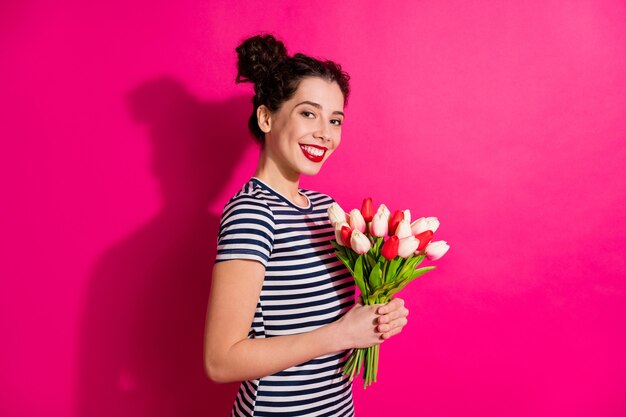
(327, 93)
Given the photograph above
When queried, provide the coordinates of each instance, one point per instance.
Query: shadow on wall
(141, 346)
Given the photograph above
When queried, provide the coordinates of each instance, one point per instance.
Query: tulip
(435, 250)
(390, 248)
(382, 209)
(336, 214)
(424, 223)
(407, 246)
(367, 209)
(407, 215)
(346, 233)
(359, 242)
(338, 227)
(356, 220)
(403, 230)
(425, 237)
(394, 221)
(379, 225)
(418, 226)
(433, 223)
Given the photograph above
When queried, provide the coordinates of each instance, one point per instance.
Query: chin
(311, 170)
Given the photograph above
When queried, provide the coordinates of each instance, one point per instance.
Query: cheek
(337, 141)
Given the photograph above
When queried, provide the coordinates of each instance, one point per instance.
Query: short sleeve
(246, 231)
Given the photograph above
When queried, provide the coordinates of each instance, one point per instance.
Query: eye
(336, 122)
(307, 114)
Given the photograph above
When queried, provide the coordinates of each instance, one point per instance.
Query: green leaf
(391, 269)
(375, 279)
(358, 275)
(370, 260)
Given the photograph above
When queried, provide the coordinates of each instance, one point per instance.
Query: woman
(281, 315)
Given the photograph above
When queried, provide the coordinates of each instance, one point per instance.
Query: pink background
(123, 134)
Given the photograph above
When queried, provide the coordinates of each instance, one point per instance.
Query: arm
(230, 356)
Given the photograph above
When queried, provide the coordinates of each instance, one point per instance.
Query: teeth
(313, 151)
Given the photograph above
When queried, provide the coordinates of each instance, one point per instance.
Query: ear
(264, 118)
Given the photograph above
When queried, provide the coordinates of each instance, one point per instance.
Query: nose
(323, 131)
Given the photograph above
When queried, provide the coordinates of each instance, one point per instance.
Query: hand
(392, 318)
(357, 328)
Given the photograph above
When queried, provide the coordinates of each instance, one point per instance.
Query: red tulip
(398, 216)
(425, 237)
(346, 234)
(390, 247)
(367, 209)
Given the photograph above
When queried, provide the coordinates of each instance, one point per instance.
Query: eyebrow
(317, 105)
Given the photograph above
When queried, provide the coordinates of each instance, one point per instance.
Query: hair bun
(258, 56)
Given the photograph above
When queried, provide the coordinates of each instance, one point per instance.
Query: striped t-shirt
(305, 287)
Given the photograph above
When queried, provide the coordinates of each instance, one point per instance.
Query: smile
(314, 153)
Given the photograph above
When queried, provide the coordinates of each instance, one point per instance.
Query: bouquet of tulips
(382, 253)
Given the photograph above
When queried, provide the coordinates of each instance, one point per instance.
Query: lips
(313, 152)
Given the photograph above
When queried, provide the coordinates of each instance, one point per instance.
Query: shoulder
(251, 200)
(317, 198)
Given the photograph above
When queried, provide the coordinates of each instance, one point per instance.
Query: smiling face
(305, 130)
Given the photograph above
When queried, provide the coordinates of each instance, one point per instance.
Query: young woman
(281, 315)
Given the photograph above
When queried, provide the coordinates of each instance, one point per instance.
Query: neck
(284, 181)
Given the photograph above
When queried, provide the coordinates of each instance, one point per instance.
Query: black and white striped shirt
(305, 287)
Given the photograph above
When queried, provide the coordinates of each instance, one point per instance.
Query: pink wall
(121, 125)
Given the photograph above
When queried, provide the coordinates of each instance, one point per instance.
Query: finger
(391, 305)
(393, 325)
(390, 333)
(394, 315)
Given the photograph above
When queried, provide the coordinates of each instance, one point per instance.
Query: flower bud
(407, 215)
(359, 242)
(346, 233)
(394, 221)
(435, 250)
(379, 225)
(356, 220)
(336, 214)
(382, 209)
(367, 209)
(433, 223)
(407, 246)
(424, 223)
(419, 225)
(403, 230)
(338, 227)
(425, 237)
(390, 248)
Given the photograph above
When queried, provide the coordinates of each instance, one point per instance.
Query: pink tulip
(407, 215)
(390, 248)
(403, 230)
(435, 250)
(419, 225)
(336, 214)
(356, 220)
(407, 246)
(424, 223)
(382, 209)
(433, 223)
(379, 225)
(359, 242)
